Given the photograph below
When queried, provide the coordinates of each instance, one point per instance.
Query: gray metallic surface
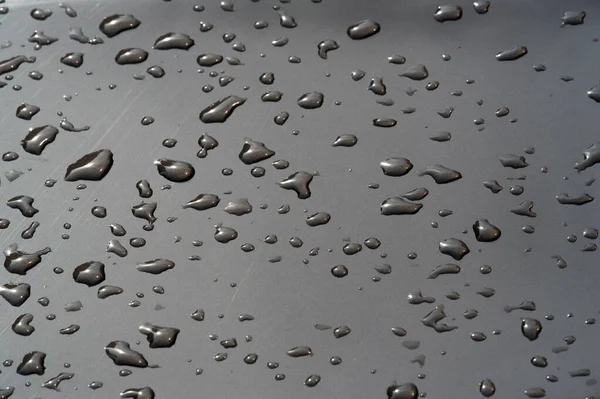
(287, 298)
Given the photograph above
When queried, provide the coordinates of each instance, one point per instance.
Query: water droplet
(396, 166)
(363, 29)
(13, 63)
(26, 112)
(74, 60)
(384, 122)
(24, 204)
(399, 206)
(202, 202)
(15, 294)
(76, 33)
(54, 382)
(175, 171)
(403, 391)
(512, 54)
(22, 326)
(219, 111)
(454, 247)
(326, 46)
(122, 355)
(93, 166)
(130, 56)
(487, 388)
(159, 337)
(112, 25)
(280, 42)
(311, 100)
(572, 18)
(535, 392)
(581, 199)
(300, 351)
(312, 380)
(339, 271)
(531, 328)
(172, 40)
(481, 6)
(448, 13)
(225, 234)
(298, 182)
(89, 273)
(485, 231)
(32, 363)
(441, 174)
(286, 20)
(38, 138)
(155, 266)
(416, 72)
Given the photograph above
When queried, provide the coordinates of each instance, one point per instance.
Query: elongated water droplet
(13, 63)
(441, 174)
(93, 166)
(130, 56)
(416, 72)
(363, 29)
(219, 111)
(514, 53)
(202, 202)
(117, 23)
(399, 206)
(172, 40)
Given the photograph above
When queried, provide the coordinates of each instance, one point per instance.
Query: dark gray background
(288, 298)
